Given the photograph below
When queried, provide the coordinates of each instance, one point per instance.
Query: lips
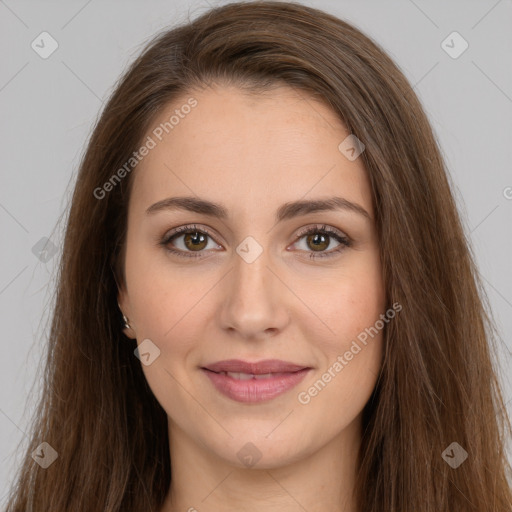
(248, 382)
(257, 368)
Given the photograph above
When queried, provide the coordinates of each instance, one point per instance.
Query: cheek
(349, 339)
(172, 308)
(162, 297)
(346, 304)
(351, 356)
(336, 397)
(170, 318)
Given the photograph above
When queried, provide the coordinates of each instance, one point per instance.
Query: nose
(255, 300)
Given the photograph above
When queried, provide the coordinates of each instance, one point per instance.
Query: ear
(123, 302)
(129, 333)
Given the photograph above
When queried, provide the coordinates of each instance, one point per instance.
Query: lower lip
(255, 390)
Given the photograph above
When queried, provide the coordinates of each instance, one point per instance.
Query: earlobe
(129, 332)
(127, 328)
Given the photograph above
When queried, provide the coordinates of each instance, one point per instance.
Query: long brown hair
(438, 383)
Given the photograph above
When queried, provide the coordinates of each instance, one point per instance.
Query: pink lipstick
(254, 382)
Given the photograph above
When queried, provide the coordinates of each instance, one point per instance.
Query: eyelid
(182, 230)
(344, 240)
(322, 227)
(210, 232)
(191, 227)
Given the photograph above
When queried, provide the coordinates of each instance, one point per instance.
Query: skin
(281, 146)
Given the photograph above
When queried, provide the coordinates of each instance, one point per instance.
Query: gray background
(49, 105)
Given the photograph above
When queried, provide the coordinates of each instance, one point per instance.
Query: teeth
(240, 376)
(247, 376)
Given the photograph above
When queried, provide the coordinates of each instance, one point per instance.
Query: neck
(324, 480)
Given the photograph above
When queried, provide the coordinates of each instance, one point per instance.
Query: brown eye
(318, 239)
(188, 241)
(195, 240)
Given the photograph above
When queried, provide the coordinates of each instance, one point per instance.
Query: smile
(254, 388)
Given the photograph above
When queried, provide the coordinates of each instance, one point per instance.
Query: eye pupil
(195, 238)
(318, 244)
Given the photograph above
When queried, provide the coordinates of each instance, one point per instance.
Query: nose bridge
(253, 304)
(251, 273)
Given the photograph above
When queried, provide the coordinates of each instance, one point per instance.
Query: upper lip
(256, 368)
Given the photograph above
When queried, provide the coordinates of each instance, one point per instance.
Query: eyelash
(191, 229)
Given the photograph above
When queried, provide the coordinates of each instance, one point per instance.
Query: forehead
(247, 149)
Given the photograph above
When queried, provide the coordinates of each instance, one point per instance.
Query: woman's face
(249, 285)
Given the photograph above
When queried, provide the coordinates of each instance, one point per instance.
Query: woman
(265, 206)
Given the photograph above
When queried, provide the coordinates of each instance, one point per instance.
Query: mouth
(254, 368)
(248, 382)
(249, 376)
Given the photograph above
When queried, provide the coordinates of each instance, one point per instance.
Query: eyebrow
(285, 212)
